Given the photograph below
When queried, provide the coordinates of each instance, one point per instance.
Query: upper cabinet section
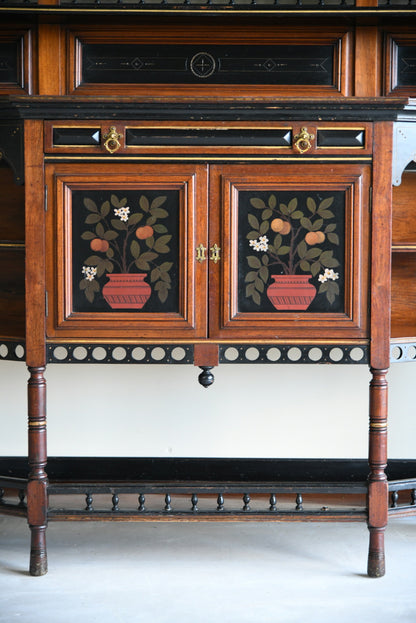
(200, 55)
(224, 59)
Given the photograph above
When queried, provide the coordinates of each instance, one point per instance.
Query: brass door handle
(111, 140)
(215, 253)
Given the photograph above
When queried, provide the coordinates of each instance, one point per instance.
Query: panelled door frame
(191, 320)
(226, 182)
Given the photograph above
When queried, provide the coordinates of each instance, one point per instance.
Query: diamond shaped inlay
(269, 64)
(136, 63)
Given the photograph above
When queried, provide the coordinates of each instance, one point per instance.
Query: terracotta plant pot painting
(291, 292)
(124, 291)
(125, 250)
(291, 251)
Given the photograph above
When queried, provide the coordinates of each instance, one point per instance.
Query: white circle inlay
(231, 354)
(315, 354)
(20, 351)
(411, 352)
(396, 352)
(119, 353)
(252, 353)
(99, 353)
(357, 354)
(4, 351)
(158, 353)
(138, 353)
(336, 354)
(60, 352)
(80, 353)
(294, 353)
(178, 353)
(273, 354)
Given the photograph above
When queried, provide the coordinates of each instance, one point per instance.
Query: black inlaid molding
(120, 353)
(287, 353)
(212, 64)
(12, 350)
(76, 136)
(281, 137)
(283, 109)
(228, 353)
(334, 137)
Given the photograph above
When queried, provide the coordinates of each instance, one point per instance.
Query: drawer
(207, 138)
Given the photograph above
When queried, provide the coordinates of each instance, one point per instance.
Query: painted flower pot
(126, 291)
(291, 292)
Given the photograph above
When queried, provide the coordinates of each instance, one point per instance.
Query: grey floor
(206, 572)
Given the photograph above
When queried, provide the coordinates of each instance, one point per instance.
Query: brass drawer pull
(303, 140)
(112, 142)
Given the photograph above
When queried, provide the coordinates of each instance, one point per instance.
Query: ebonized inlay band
(273, 137)
(211, 64)
(340, 138)
(228, 353)
(76, 136)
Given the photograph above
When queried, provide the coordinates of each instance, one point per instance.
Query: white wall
(251, 410)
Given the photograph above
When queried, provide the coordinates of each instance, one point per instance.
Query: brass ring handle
(112, 142)
(303, 140)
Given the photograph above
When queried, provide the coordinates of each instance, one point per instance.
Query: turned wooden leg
(376, 558)
(38, 555)
(37, 490)
(377, 480)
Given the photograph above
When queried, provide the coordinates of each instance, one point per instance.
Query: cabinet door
(121, 251)
(294, 251)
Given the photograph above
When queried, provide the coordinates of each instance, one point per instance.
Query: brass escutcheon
(215, 253)
(200, 253)
(112, 142)
(303, 140)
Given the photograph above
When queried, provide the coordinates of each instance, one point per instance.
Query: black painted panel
(153, 469)
(273, 138)
(290, 234)
(125, 232)
(340, 138)
(9, 62)
(76, 136)
(406, 65)
(208, 64)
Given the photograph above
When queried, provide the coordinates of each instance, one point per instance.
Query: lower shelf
(182, 489)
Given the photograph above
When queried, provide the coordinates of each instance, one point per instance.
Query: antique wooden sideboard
(207, 184)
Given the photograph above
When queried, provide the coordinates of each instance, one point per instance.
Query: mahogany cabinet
(215, 187)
